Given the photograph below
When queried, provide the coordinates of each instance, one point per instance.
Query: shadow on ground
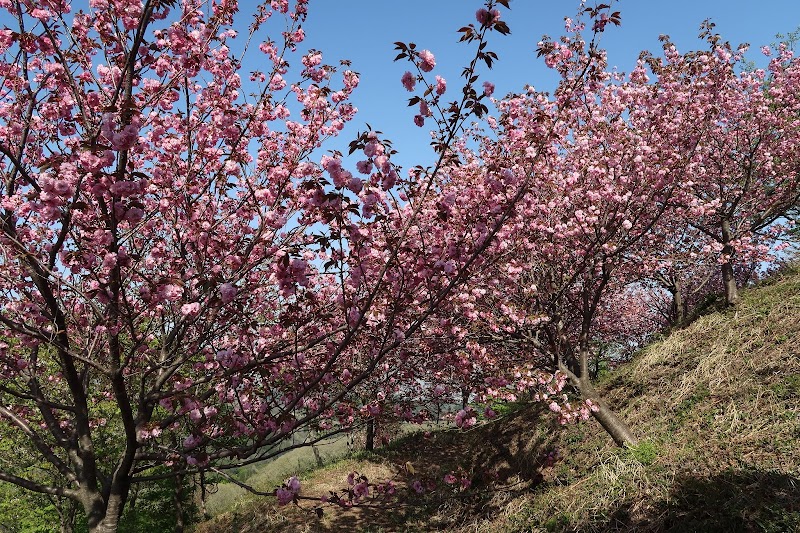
(734, 501)
(502, 461)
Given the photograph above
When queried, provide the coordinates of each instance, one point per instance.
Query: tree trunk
(317, 455)
(177, 499)
(370, 446)
(109, 524)
(728, 278)
(678, 305)
(203, 492)
(614, 425)
(109, 521)
(729, 281)
(619, 431)
(598, 360)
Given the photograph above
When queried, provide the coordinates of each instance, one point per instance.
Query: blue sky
(364, 31)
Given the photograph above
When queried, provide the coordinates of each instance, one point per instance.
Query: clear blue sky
(364, 32)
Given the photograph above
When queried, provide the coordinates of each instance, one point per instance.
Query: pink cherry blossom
(284, 496)
(227, 292)
(426, 61)
(191, 309)
(409, 81)
(441, 85)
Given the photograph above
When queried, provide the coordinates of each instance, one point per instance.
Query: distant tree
(747, 172)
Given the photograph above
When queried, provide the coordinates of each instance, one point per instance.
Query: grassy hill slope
(716, 406)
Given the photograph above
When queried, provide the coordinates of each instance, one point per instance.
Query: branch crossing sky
(364, 31)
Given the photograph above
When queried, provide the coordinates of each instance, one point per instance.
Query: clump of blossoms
(465, 418)
(288, 492)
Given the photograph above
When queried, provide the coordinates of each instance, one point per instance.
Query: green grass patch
(646, 452)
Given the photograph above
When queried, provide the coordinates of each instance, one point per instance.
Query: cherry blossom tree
(680, 261)
(746, 133)
(647, 177)
(186, 283)
(628, 318)
(579, 236)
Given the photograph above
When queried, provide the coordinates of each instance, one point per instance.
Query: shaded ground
(501, 460)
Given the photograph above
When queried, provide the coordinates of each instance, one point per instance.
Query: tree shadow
(501, 460)
(732, 501)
